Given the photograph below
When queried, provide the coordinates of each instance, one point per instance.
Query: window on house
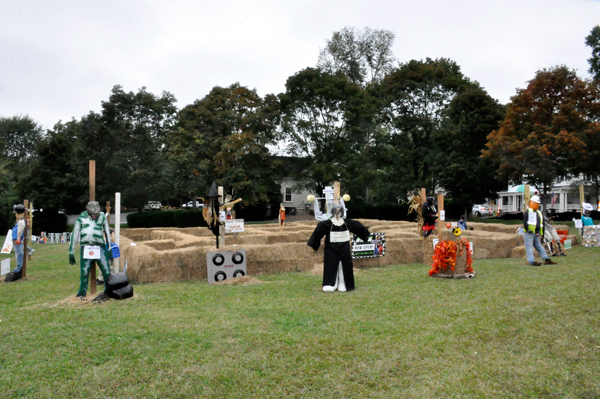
(505, 201)
(288, 194)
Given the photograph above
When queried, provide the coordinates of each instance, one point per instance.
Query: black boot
(562, 253)
(552, 249)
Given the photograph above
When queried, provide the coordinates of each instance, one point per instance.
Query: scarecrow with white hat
(533, 225)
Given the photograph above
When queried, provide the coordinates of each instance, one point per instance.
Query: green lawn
(512, 332)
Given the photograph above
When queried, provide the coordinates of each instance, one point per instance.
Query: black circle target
(220, 276)
(238, 273)
(237, 258)
(218, 260)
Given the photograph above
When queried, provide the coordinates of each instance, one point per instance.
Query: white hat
(535, 199)
(587, 206)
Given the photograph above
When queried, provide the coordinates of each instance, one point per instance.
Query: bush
(166, 219)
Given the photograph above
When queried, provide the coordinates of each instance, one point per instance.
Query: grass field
(514, 331)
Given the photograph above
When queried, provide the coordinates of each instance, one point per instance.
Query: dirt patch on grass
(73, 301)
(244, 280)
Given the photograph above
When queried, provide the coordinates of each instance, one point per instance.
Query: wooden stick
(26, 232)
(30, 226)
(441, 223)
(93, 198)
(336, 192)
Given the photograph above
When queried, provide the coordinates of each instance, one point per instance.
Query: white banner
(91, 252)
(8, 244)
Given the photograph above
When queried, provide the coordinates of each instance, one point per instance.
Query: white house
(566, 198)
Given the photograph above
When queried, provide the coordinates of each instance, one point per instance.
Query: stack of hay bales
(163, 254)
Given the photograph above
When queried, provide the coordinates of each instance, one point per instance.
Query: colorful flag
(553, 200)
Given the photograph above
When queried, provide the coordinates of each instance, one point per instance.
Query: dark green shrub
(166, 219)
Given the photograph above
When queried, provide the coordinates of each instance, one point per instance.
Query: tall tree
(469, 178)
(18, 137)
(593, 41)
(127, 142)
(413, 101)
(542, 135)
(53, 182)
(319, 118)
(362, 56)
(224, 137)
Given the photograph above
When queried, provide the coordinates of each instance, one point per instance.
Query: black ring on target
(217, 274)
(237, 258)
(220, 261)
(238, 271)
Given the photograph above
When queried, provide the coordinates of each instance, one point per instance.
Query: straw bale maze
(170, 254)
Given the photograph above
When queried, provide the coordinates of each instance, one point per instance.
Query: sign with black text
(373, 248)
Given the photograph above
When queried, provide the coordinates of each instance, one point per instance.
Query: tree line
(382, 128)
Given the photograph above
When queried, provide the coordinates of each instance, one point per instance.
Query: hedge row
(397, 212)
(166, 219)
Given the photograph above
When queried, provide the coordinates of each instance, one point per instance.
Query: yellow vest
(531, 227)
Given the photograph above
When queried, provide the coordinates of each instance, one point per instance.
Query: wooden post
(336, 192)
(221, 239)
(441, 223)
(117, 226)
(26, 232)
(526, 197)
(93, 198)
(423, 195)
(234, 234)
(30, 227)
(581, 198)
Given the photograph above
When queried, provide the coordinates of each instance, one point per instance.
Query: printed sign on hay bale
(374, 248)
(452, 259)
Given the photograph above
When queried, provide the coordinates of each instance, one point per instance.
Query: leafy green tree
(224, 137)
(543, 136)
(320, 114)
(471, 116)
(18, 137)
(362, 56)
(8, 197)
(127, 142)
(53, 182)
(593, 41)
(413, 101)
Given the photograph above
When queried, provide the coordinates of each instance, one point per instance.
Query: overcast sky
(60, 59)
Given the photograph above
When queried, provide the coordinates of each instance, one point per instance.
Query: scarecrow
(337, 259)
(91, 228)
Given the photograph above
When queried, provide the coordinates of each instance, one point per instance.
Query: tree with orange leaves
(543, 136)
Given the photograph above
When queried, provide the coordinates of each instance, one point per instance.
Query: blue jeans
(19, 255)
(533, 241)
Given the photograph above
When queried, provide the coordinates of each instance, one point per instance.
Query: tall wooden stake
(25, 235)
(526, 197)
(336, 192)
(93, 198)
(441, 223)
(581, 198)
(30, 226)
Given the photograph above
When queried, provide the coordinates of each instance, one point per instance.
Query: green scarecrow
(93, 228)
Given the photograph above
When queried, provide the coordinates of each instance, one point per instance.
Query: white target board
(5, 267)
(225, 265)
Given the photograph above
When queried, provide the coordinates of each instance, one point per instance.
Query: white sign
(8, 244)
(568, 244)
(471, 247)
(442, 215)
(234, 226)
(328, 196)
(532, 219)
(5, 267)
(222, 216)
(435, 242)
(339, 236)
(91, 252)
(578, 223)
(328, 190)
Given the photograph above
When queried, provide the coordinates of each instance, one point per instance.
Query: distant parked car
(153, 206)
(483, 210)
(190, 205)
